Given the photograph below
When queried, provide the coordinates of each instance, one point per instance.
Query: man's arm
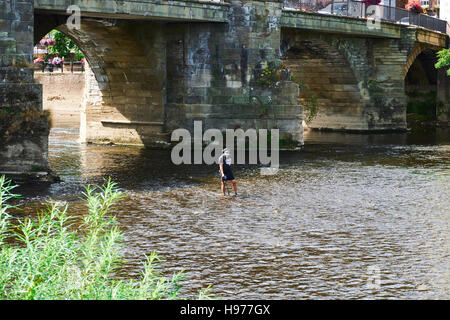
(221, 165)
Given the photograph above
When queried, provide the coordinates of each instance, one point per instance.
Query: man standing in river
(225, 170)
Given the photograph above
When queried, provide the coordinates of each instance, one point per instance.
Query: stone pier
(443, 95)
(24, 125)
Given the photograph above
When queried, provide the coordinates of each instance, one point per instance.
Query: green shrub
(47, 258)
(64, 46)
(443, 60)
(309, 101)
(423, 104)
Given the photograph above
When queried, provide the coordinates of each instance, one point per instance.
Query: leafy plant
(271, 74)
(62, 46)
(311, 106)
(374, 86)
(5, 196)
(48, 258)
(424, 105)
(443, 60)
(309, 102)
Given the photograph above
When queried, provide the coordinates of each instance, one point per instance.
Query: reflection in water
(344, 204)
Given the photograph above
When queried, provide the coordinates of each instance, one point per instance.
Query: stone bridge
(359, 70)
(157, 65)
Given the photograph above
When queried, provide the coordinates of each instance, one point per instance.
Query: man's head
(226, 152)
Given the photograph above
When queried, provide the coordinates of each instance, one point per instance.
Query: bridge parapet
(357, 73)
(187, 10)
(337, 24)
(357, 27)
(436, 39)
(374, 13)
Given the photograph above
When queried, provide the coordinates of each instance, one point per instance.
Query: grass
(47, 258)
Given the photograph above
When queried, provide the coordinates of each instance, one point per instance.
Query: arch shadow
(125, 84)
(328, 86)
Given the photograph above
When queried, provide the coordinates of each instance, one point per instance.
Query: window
(425, 3)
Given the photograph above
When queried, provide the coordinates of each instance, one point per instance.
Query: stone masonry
(156, 66)
(149, 78)
(23, 125)
(214, 71)
(359, 81)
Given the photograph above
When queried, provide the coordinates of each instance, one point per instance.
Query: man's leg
(234, 185)
(223, 188)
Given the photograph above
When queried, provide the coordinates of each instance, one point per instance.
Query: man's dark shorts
(229, 176)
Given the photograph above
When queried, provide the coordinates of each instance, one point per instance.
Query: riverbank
(416, 121)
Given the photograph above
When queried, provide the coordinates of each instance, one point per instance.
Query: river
(343, 213)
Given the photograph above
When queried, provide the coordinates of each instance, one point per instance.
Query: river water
(349, 217)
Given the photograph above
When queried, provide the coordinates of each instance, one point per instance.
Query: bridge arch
(422, 65)
(422, 81)
(417, 52)
(328, 86)
(124, 94)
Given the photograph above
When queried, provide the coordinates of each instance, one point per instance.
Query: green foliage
(48, 258)
(302, 86)
(271, 74)
(443, 60)
(424, 105)
(5, 195)
(288, 143)
(311, 106)
(268, 75)
(374, 86)
(63, 46)
(205, 295)
(309, 101)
